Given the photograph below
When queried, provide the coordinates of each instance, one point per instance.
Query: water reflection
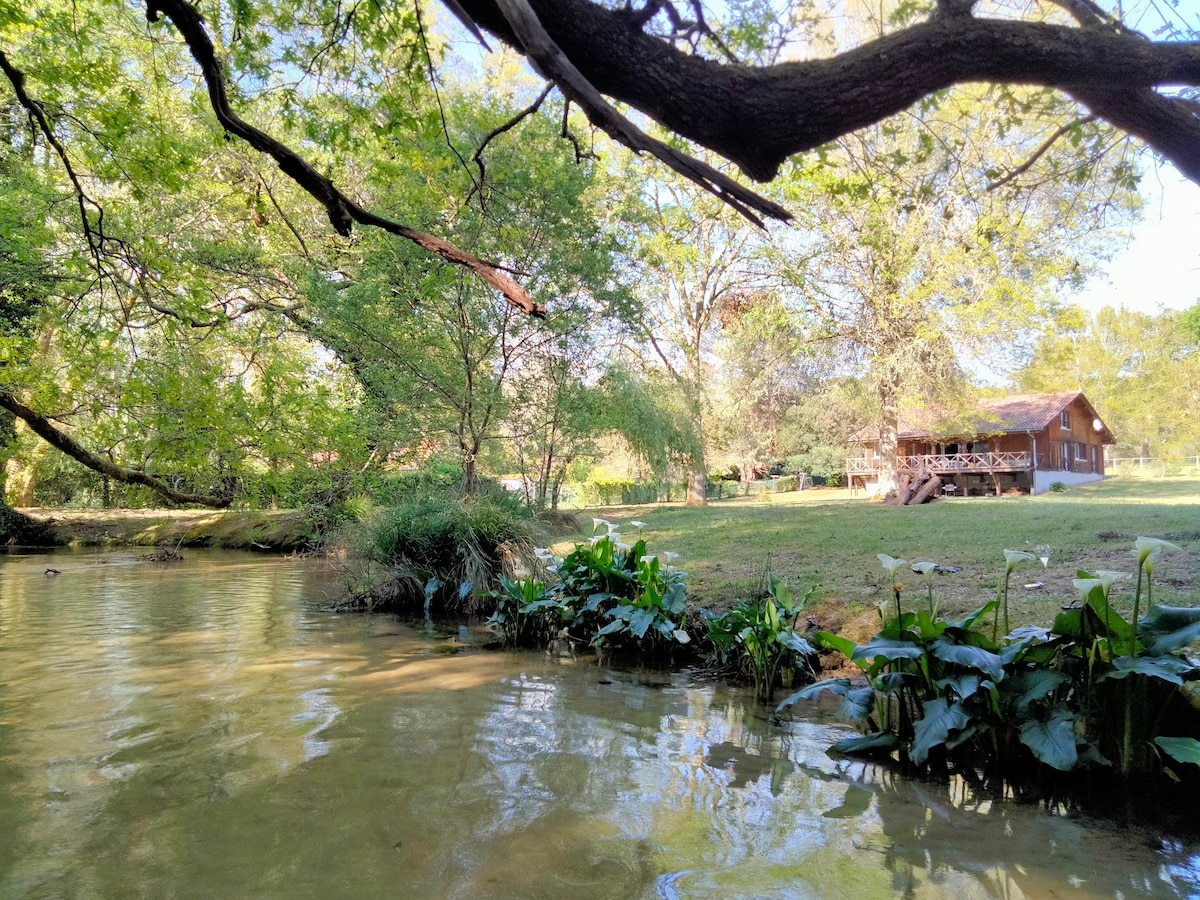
(206, 729)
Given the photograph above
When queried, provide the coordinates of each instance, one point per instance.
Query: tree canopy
(735, 87)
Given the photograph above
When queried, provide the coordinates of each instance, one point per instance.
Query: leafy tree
(1140, 371)
(669, 64)
(918, 257)
(697, 262)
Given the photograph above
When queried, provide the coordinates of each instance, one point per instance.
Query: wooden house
(1024, 443)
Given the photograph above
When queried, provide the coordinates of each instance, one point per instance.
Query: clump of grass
(438, 551)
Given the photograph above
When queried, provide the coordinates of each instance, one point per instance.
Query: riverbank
(275, 531)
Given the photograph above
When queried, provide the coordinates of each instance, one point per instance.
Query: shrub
(606, 593)
(464, 545)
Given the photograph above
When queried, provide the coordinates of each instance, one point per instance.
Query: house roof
(1018, 413)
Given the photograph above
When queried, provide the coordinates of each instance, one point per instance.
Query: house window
(1095, 460)
(1064, 419)
(1064, 456)
(1080, 451)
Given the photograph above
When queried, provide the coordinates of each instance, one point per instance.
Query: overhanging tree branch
(55, 437)
(341, 210)
(759, 116)
(556, 66)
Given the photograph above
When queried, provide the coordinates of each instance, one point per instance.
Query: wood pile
(915, 489)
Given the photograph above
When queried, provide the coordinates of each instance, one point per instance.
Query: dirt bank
(281, 531)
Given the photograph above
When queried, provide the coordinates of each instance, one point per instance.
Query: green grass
(832, 538)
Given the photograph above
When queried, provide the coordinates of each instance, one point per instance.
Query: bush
(1092, 690)
(606, 594)
(464, 545)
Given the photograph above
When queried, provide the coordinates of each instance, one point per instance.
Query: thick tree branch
(342, 211)
(51, 434)
(759, 116)
(553, 64)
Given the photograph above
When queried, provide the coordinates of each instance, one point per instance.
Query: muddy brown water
(207, 729)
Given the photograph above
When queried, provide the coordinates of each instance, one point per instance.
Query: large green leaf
(836, 642)
(972, 620)
(1026, 687)
(858, 704)
(1167, 668)
(793, 641)
(839, 687)
(888, 648)
(1167, 628)
(941, 718)
(1052, 741)
(880, 743)
(965, 655)
(1180, 749)
(963, 685)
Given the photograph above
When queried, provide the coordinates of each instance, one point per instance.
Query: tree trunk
(927, 491)
(697, 493)
(889, 429)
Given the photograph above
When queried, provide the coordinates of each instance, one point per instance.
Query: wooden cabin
(1024, 443)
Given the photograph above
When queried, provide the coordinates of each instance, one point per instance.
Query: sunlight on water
(206, 729)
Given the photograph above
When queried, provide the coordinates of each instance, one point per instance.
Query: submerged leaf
(880, 743)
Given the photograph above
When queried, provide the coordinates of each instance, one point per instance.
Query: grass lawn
(831, 538)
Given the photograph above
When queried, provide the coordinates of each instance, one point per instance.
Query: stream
(207, 728)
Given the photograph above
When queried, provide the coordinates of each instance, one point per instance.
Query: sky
(1159, 267)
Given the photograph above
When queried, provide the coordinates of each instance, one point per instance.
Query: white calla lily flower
(1084, 586)
(648, 557)
(636, 524)
(1012, 557)
(670, 554)
(1144, 548)
(891, 564)
(925, 568)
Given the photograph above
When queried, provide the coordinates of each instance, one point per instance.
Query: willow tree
(921, 250)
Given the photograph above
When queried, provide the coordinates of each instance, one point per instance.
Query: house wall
(1084, 446)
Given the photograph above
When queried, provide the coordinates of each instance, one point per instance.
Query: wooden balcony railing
(947, 464)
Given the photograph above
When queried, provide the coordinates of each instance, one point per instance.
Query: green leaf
(836, 686)
(881, 743)
(888, 648)
(793, 641)
(1167, 628)
(965, 655)
(964, 685)
(640, 621)
(1166, 668)
(857, 705)
(1026, 687)
(1052, 741)
(836, 642)
(940, 719)
(1180, 749)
